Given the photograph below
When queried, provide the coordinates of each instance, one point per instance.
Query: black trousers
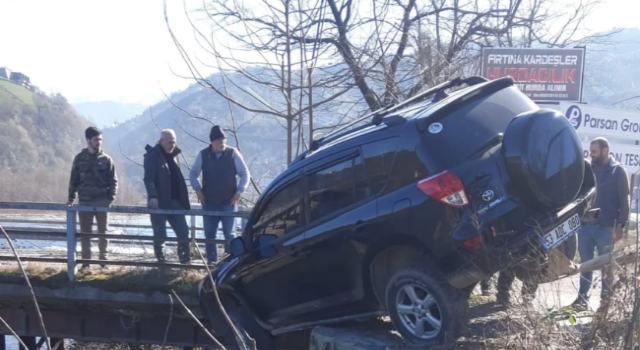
(180, 228)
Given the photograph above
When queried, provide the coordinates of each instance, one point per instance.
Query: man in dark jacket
(613, 201)
(220, 166)
(167, 189)
(93, 178)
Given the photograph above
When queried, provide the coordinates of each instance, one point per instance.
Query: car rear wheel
(425, 309)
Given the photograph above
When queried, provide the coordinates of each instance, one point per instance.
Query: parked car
(403, 215)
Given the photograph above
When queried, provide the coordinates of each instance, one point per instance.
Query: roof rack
(380, 113)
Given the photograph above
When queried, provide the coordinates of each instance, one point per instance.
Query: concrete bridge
(76, 310)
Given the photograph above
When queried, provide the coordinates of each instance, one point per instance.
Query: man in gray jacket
(613, 201)
(167, 189)
(219, 165)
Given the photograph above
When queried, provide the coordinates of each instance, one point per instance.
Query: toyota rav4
(402, 213)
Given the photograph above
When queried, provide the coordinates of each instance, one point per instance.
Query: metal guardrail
(72, 234)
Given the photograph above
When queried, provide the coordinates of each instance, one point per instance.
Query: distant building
(5, 73)
(20, 79)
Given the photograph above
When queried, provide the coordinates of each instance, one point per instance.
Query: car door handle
(359, 226)
(294, 252)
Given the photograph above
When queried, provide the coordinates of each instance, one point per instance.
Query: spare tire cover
(544, 159)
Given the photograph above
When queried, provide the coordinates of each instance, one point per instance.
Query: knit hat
(92, 132)
(216, 133)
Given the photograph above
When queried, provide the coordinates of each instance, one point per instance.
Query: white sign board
(627, 155)
(599, 121)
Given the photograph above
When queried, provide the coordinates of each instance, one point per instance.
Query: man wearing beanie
(220, 165)
(93, 178)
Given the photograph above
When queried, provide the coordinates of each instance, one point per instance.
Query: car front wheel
(425, 309)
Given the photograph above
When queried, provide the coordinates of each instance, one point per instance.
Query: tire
(243, 320)
(544, 160)
(446, 305)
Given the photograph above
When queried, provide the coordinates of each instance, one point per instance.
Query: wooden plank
(33, 259)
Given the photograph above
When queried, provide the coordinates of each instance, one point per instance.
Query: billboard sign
(598, 121)
(542, 74)
(627, 155)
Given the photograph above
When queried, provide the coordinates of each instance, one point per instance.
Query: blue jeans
(591, 237)
(211, 224)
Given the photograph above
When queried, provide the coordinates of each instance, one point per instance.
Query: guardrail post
(193, 227)
(71, 245)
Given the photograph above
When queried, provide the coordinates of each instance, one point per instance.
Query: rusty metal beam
(93, 326)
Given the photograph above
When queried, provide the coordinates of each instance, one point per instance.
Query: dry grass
(125, 279)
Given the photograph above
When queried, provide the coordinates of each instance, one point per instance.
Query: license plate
(561, 233)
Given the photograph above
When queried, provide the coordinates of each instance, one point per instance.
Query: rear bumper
(493, 258)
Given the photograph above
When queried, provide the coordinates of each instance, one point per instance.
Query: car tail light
(445, 188)
(473, 244)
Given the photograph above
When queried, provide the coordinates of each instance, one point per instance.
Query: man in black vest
(613, 201)
(167, 189)
(219, 165)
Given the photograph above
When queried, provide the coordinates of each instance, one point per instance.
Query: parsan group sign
(628, 155)
(542, 74)
(599, 121)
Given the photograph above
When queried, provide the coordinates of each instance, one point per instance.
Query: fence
(71, 235)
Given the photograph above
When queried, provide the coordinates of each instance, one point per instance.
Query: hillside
(106, 113)
(612, 71)
(611, 75)
(12, 92)
(262, 137)
(39, 136)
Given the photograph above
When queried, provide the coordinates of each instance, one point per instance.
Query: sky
(120, 50)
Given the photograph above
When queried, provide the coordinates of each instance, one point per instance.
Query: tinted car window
(283, 213)
(467, 129)
(336, 187)
(378, 158)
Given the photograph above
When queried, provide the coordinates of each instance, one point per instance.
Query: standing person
(167, 189)
(220, 190)
(613, 201)
(93, 178)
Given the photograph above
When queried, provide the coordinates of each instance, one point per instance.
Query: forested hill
(39, 137)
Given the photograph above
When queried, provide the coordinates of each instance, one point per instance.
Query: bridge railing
(71, 234)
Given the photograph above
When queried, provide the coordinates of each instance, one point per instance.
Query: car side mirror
(267, 248)
(237, 247)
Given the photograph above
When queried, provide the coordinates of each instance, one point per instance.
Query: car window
(336, 187)
(467, 129)
(378, 159)
(283, 213)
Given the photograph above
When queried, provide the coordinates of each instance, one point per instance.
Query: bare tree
(291, 59)
(277, 77)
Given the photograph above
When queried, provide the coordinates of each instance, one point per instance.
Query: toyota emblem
(487, 195)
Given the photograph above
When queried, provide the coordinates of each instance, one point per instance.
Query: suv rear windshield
(467, 129)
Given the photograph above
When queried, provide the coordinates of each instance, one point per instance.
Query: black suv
(404, 214)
